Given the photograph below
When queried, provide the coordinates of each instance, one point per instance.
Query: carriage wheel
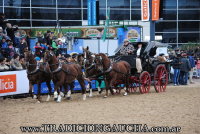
(160, 78)
(132, 87)
(145, 82)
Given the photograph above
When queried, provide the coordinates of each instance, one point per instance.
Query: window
(169, 4)
(135, 4)
(21, 23)
(119, 3)
(18, 3)
(1, 3)
(167, 37)
(120, 15)
(188, 37)
(43, 23)
(69, 14)
(189, 14)
(189, 3)
(169, 15)
(189, 26)
(17, 13)
(69, 3)
(1, 9)
(165, 26)
(135, 14)
(44, 14)
(43, 3)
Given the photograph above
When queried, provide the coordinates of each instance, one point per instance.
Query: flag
(105, 31)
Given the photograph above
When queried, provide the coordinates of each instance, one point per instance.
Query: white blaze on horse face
(59, 98)
(55, 94)
(84, 96)
(68, 93)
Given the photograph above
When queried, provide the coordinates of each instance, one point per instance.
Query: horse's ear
(87, 48)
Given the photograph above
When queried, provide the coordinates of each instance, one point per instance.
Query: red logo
(8, 83)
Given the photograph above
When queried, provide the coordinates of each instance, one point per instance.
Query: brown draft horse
(88, 64)
(64, 74)
(113, 71)
(37, 73)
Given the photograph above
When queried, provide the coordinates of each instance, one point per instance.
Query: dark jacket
(185, 65)
(176, 64)
(192, 62)
(11, 32)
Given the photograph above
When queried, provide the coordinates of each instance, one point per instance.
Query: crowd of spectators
(13, 43)
(185, 65)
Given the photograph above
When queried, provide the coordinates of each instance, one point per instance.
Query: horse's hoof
(84, 96)
(34, 97)
(114, 91)
(90, 95)
(125, 94)
(68, 98)
(62, 94)
(59, 98)
(48, 98)
(105, 96)
(55, 99)
(38, 102)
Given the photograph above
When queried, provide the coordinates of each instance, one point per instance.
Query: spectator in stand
(11, 30)
(62, 48)
(4, 44)
(198, 67)
(3, 66)
(48, 37)
(17, 41)
(54, 45)
(11, 50)
(40, 37)
(185, 67)
(22, 61)
(38, 50)
(192, 63)
(176, 66)
(3, 21)
(15, 63)
(22, 46)
(4, 47)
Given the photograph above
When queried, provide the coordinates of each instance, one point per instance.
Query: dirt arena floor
(178, 106)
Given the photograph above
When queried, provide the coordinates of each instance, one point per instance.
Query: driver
(127, 48)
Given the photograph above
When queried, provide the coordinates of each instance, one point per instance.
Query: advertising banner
(89, 12)
(133, 34)
(155, 9)
(145, 10)
(94, 13)
(98, 32)
(13, 82)
(77, 87)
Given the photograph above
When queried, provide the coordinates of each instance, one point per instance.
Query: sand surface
(178, 106)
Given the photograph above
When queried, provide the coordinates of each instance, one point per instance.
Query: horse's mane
(105, 58)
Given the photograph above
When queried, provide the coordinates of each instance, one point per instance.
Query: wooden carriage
(154, 71)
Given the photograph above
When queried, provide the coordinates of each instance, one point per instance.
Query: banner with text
(145, 10)
(155, 9)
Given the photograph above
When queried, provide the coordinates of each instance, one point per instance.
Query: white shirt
(138, 51)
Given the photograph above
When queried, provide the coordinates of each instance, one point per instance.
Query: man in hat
(127, 48)
(185, 67)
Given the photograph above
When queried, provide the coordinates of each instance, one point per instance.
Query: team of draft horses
(64, 74)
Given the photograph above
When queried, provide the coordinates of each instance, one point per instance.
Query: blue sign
(77, 87)
(133, 34)
(94, 13)
(89, 12)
